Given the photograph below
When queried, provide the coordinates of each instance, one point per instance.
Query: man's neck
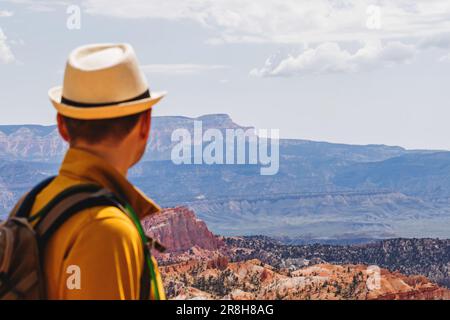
(111, 155)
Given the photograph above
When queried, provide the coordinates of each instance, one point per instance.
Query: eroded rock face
(200, 265)
(426, 256)
(253, 279)
(179, 230)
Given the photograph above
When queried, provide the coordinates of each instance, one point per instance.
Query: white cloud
(6, 55)
(6, 13)
(329, 57)
(288, 21)
(180, 69)
(276, 21)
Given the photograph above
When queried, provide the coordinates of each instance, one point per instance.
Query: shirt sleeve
(108, 257)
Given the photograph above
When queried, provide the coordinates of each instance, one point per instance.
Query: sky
(348, 71)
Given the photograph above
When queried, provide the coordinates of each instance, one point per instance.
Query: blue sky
(351, 71)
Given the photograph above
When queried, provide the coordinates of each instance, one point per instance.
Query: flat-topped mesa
(178, 229)
(42, 143)
(219, 121)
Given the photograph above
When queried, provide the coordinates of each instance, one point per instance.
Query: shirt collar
(85, 166)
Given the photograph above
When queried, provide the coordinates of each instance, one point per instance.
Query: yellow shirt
(101, 245)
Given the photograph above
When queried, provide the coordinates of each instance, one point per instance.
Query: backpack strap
(79, 198)
(23, 207)
(64, 206)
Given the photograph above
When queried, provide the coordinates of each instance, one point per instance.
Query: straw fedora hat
(103, 81)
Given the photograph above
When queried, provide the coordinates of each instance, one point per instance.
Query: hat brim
(103, 112)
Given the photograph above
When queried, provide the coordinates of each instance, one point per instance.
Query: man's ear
(145, 124)
(62, 128)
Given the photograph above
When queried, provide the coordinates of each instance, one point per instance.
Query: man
(104, 113)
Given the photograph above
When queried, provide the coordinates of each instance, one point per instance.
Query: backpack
(23, 239)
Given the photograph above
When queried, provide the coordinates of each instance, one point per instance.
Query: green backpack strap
(149, 282)
(148, 266)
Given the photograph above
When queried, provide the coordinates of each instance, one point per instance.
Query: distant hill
(42, 143)
(323, 191)
(425, 175)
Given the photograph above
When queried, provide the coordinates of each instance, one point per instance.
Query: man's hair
(95, 131)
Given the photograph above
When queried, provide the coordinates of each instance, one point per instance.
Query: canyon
(200, 265)
(312, 231)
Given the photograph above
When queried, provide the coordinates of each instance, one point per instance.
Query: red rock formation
(178, 229)
(254, 280)
(220, 263)
(197, 265)
(410, 288)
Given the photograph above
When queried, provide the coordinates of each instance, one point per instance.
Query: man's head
(125, 136)
(104, 105)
